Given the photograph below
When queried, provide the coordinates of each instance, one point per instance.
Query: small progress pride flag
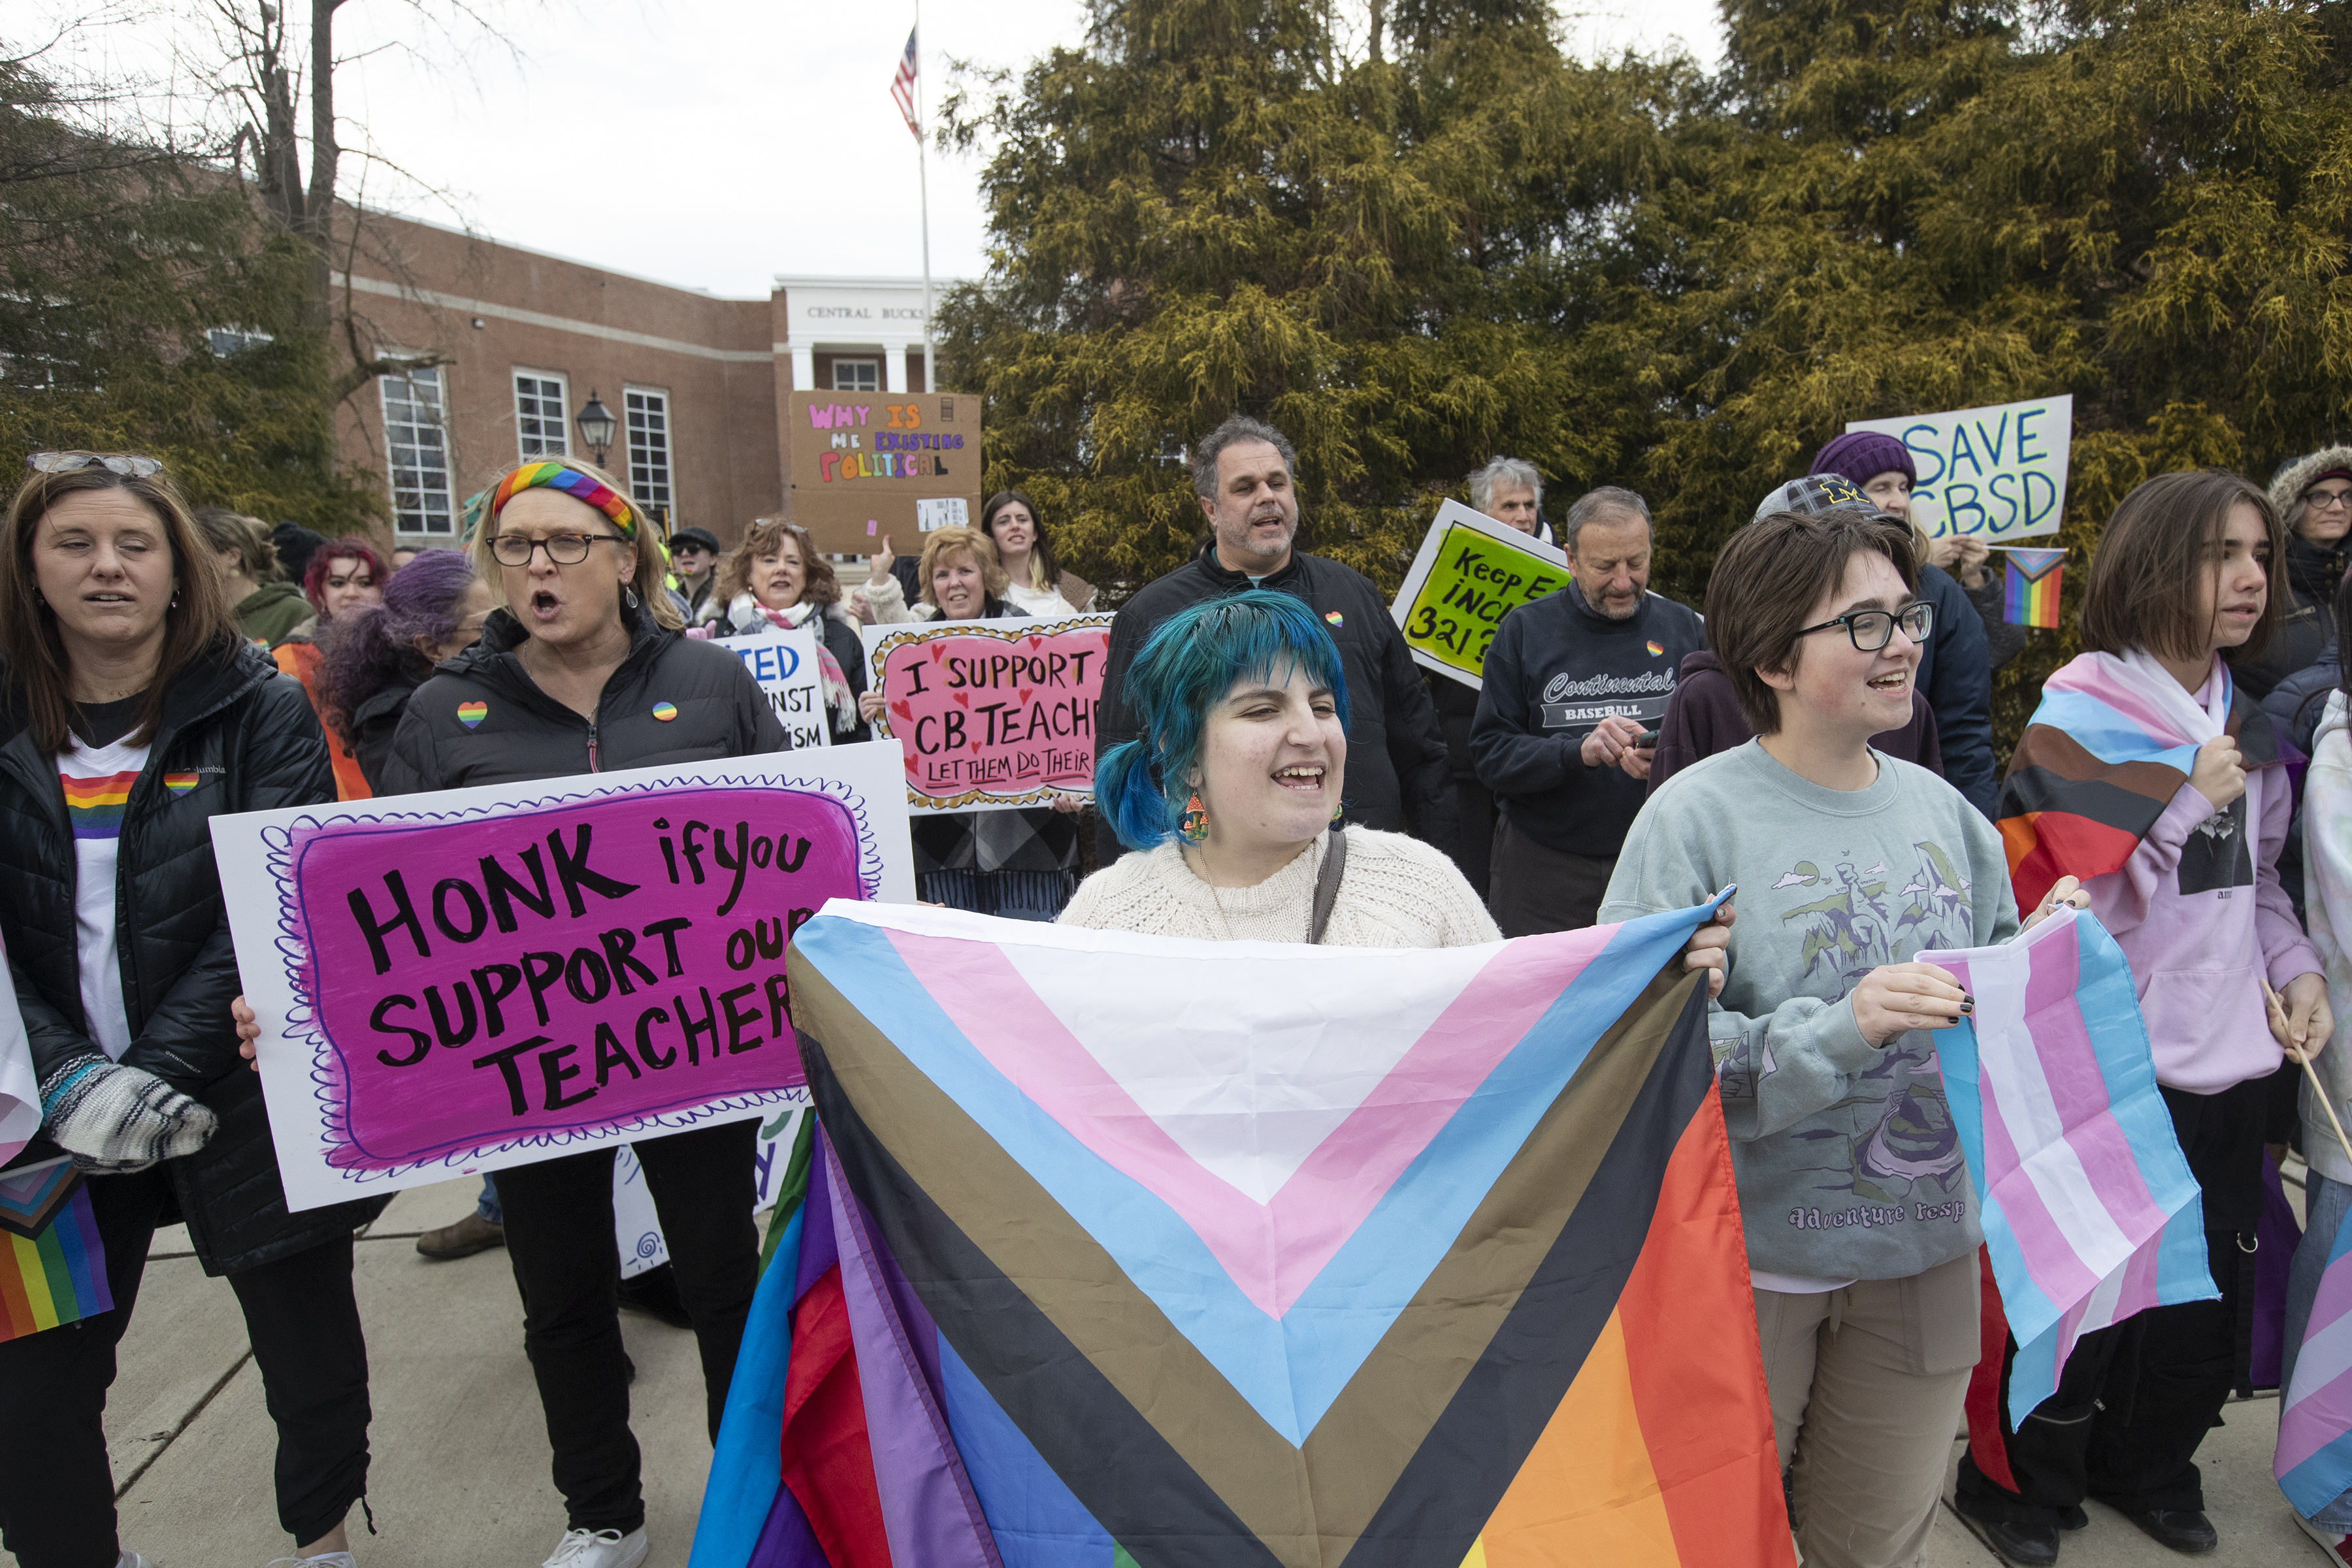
(2031, 583)
(57, 1275)
(2090, 1213)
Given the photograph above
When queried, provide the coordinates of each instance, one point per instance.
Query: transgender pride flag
(2090, 1213)
(2314, 1442)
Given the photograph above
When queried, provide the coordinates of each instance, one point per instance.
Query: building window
(857, 375)
(417, 446)
(540, 429)
(647, 413)
(226, 341)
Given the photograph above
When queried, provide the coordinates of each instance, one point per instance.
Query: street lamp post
(596, 425)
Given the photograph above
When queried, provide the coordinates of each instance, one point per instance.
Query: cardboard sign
(1470, 573)
(485, 977)
(864, 464)
(989, 715)
(784, 664)
(1990, 473)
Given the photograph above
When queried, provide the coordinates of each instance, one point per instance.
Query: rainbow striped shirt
(95, 805)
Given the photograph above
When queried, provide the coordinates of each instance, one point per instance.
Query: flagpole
(923, 188)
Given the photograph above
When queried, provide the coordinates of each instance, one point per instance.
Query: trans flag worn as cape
(2099, 762)
(1130, 1250)
(2090, 1212)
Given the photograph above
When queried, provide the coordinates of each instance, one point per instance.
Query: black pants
(1532, 887)
(2135, 1399)
(1474, 807)
(560, 1241)
(57, 1490)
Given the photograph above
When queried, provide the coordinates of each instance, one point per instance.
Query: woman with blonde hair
(266, 605)
(775, 577)
(585, 668)
(1023, 863)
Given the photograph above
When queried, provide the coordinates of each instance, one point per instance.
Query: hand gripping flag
(2030, 586)
(1132, 1250)
(2090, 1213)
(2100, 760)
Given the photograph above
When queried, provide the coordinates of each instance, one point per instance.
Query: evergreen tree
(119, 266)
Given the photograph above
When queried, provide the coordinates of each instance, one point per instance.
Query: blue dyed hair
(1186, 668)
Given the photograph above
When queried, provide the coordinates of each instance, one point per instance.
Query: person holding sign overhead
(775, 577)
(134, 712)
(1019, 863)
(583, 671)
(1573, 681)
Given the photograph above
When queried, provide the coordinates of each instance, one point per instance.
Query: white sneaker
(130, 1559)
(324, 1559)
(2335, 1543)
(599, 1548)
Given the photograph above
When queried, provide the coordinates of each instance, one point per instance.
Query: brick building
(696, 384)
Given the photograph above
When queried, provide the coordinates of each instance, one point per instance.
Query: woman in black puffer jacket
(133, 714)
(584, 671)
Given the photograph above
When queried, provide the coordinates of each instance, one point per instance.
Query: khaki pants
(1866, 1385)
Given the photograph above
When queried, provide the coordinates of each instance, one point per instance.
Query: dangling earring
(1338, 810)
(1194, 825)
(629, 597)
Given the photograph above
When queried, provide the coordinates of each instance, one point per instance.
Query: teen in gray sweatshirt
(1860, 1223)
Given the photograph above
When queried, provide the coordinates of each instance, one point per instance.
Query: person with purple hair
(430, 612)
(1882, 465)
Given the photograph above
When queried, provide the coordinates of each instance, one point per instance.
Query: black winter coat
(249, 736)
(526, 734)
(1399, 775)
(2306, 622)
(377, 719)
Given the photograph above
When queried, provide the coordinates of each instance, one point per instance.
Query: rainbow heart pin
(1335, 618)
(472, 713)
(1656, 648)
(665, 711)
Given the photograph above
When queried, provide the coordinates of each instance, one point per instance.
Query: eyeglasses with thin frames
(1871, 630)
(130, 465)
(563, 548)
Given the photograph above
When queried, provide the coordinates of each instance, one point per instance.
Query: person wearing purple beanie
(1882, 465)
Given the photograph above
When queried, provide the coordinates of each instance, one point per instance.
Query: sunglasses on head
(129, 467)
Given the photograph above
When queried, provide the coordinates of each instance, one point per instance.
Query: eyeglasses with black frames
(563, 548)
(1874, 629)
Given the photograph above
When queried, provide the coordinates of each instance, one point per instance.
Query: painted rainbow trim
(572, 482)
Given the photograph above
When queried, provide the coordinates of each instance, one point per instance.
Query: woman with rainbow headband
(2151, 774)
(134, 712)
(584, 670)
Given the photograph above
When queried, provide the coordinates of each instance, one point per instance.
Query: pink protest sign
(452, 982)
(988, 715)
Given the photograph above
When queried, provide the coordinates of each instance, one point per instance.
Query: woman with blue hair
(1233, 797)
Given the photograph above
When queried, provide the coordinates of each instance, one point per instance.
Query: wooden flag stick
(2278, 1022)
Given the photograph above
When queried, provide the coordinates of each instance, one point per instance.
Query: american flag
(902, 86)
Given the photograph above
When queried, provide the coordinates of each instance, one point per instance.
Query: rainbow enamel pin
(665, 711)
(472, 713)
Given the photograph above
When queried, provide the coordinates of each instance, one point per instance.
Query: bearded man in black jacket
(1398, 777)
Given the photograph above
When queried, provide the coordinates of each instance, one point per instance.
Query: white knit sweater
(1397, 892)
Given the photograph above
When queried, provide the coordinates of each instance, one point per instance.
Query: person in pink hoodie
(2148, 773)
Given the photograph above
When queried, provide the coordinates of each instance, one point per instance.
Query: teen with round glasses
(1861, 1224)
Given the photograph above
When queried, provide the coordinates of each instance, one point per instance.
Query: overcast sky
(710, 144)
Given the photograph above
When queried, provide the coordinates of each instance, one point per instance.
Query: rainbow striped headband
(573, 483)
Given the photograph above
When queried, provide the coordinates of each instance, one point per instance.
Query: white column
(804, 368)
(894, 367)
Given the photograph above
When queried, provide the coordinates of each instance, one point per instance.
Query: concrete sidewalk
(459, 1475)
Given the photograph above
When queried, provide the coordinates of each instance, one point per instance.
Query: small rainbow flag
(95, 806)
(2032, 599)
(57, 1277)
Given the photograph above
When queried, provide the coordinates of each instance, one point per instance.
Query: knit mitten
(111, 1118)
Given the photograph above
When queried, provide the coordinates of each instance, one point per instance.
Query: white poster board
(1998, 474)
(638, 1227)
(479, 978)
(785, 665)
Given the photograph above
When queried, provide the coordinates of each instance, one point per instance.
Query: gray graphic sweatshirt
(1848, 1163)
